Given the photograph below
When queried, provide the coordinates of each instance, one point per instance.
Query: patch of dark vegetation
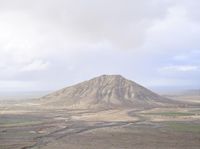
(184, 127)
(172, 113)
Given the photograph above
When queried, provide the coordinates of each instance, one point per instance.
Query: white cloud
(35, 66)
(77, 39)
(181, 57)
(180, 68)
(16, 85)
(176, 33)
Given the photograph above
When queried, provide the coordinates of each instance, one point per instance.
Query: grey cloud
(78, 39)
(121, 23)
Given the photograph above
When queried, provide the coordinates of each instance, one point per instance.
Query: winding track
(78, 127)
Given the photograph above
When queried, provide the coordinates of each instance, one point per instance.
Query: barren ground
(27, 126)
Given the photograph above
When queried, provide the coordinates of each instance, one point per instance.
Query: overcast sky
(50, 44)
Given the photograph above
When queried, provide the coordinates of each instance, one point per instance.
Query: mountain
(106, 91)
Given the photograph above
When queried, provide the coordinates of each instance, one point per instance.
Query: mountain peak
(110, 77)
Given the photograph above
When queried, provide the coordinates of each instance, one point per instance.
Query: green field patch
(18, 135)
(197, 111)
(184, 127)
(18, 121)
(171, 113)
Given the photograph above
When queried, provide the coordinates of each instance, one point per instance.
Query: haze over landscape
(99, 74)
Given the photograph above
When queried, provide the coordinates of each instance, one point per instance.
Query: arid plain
(108, 112)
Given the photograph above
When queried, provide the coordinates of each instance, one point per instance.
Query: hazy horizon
(47, 45)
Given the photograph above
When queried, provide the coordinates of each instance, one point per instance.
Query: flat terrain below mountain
(26, 126)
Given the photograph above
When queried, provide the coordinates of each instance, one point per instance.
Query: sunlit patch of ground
(172, 114)
(190, 99)
(110, 115)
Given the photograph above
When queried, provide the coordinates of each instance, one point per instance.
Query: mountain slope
(106, 91)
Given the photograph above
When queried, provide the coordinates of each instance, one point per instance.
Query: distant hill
(106, 91)
(191, 92)
(187, 96)
(9, 96)
(195, 92)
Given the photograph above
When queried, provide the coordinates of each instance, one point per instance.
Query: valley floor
(158, 128)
